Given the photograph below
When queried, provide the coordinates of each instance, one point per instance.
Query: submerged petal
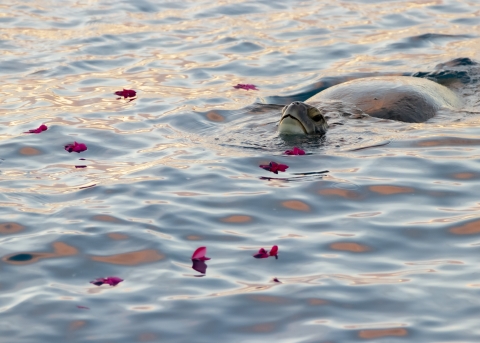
(200, 266)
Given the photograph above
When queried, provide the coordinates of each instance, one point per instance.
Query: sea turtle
(414, 98)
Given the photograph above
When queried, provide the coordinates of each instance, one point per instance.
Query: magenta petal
(40, 129)
(199, 254)
(200, 266)
(245, 86)
(262, 253)
(298, 151)
(113, 280)
(126, 93)
(274, 251)
(274, 167)
(75, 147)
(295, 151)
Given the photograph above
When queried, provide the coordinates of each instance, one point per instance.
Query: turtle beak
(294, 118)
(291, 126)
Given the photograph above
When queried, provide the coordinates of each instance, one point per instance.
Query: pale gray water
(382, 248)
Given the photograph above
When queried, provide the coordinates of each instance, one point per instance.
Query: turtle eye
(318, 117)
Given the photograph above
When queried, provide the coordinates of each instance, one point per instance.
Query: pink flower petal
(110, 280)
(274, 251)
(75, 147)
(262, 253)
(199, 254)
(126, 93)
(113, 280)
(295, 151)
(83, 307)
(274, 167)
(246, 87)
(40, 129)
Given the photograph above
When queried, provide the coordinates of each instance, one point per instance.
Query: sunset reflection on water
(377, 225)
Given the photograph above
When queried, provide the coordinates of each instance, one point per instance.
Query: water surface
(381, 248)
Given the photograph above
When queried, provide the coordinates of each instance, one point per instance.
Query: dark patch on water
(21, 257)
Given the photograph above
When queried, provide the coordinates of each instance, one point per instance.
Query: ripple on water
(375, 249)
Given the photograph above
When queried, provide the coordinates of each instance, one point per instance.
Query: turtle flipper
(451, 71)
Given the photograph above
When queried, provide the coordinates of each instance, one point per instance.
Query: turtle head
(299, 118)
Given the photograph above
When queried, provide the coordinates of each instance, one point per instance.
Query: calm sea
(384, 247)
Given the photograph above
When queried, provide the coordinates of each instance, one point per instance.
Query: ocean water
(383, 247)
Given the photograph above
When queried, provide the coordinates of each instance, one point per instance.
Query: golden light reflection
(316, 302)
(448, 142)
(237, 219)
(296, 205)
(76, 324)
(464, 176)
(433, 263)
(364, 214)
(148, 337)
(117, 236)
(131, 258)
(292, 235)
(106, 218)
(388, 190)
(340, 234)
(9, 228)
(471, 228)
(347, 246)
(215, 116)
(270, 299)
(194, 238)
(249, 288)
(344, 193)
(373, 334)
(263, 328)
(29, 151)
(187, 194)
(142, 308)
